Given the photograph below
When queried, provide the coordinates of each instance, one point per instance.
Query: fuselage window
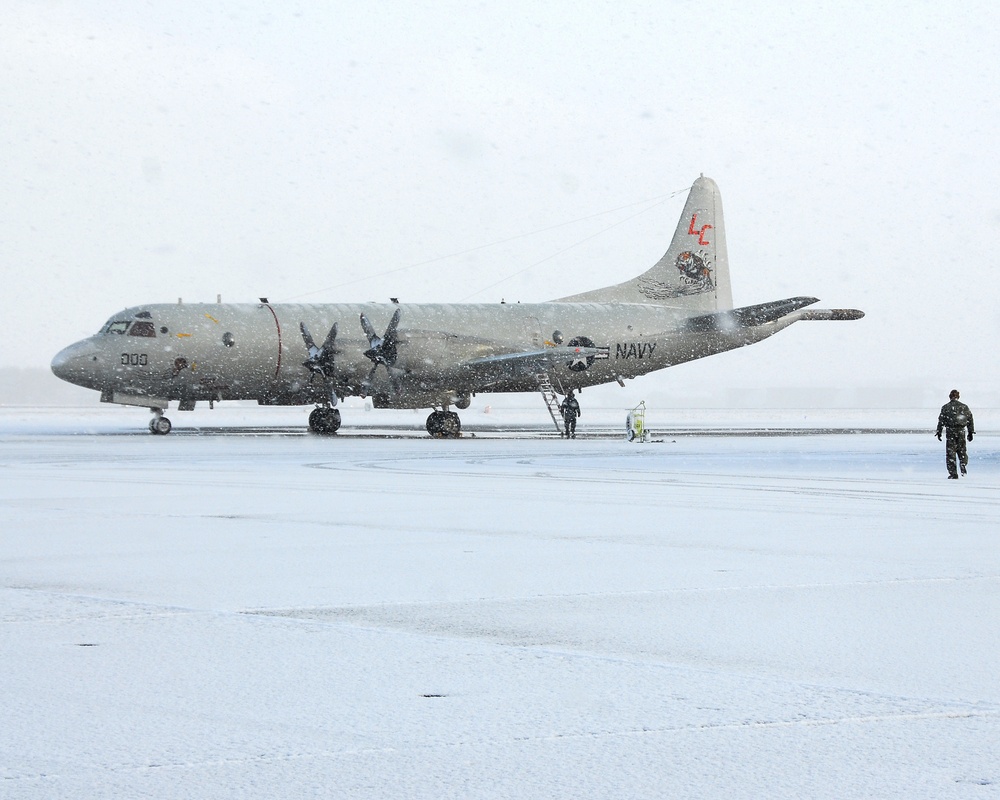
(117, 327)
(142, 329)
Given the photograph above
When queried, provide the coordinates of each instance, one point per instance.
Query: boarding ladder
(551, 399)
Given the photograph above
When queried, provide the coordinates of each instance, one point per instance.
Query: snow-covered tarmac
(258, 612)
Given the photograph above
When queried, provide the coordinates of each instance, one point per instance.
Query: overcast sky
(310, 151)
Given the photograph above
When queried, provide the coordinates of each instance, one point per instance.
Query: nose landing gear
(444, 425)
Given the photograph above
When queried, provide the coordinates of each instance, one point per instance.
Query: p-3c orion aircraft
(435, 356)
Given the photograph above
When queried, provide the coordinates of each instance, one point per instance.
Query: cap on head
(953, 394)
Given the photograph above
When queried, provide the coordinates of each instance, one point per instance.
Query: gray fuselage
(188, 352)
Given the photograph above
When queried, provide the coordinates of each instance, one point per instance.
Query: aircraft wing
(506, 365)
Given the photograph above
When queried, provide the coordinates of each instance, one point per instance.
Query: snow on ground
(243, 609)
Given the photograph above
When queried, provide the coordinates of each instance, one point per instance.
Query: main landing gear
(444, 425)
(159, 424)
(324, 420)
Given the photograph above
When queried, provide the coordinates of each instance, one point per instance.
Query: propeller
(321, 359)
(381, 349)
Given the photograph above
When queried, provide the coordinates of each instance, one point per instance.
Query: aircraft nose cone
(60, 362)
(75, 364)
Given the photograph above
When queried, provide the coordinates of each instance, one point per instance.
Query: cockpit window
(142, 329)
(117, 327)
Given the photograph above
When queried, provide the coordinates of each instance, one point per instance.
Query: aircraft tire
(332, 420)
(451, 425)
(434, 424)
(324, 420)
(444, 425)
(160, 426)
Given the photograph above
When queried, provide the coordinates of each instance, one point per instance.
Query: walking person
(570, 410)
(956, 421)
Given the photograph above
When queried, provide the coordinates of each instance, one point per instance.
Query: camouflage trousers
(569, 420)
(955, 450)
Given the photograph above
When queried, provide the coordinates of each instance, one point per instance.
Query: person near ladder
(570, 410)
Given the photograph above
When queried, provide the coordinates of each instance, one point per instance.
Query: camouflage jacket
(955, 415)
(570, 407)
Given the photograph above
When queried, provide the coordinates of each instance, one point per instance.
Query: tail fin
(693, 273)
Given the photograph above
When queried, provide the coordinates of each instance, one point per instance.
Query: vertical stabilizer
(693, 273)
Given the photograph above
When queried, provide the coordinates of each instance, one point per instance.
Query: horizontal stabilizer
(747, 316)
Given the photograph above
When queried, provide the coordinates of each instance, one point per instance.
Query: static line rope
(654, 200)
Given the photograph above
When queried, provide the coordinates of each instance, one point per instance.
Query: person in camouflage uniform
(956, 421)
(570, 409)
